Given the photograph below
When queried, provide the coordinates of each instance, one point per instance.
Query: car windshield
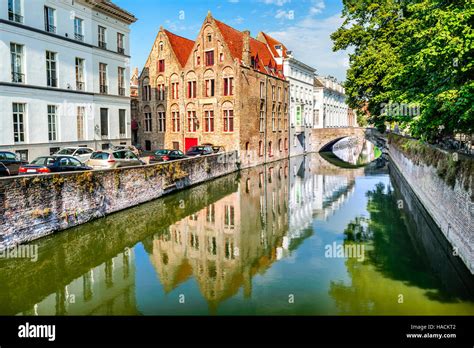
(43, 161)
(197, 148)
(162, 152)
(66, 151)
(100, 156)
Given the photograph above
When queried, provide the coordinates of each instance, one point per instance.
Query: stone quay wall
(444, 183)
(32, 207)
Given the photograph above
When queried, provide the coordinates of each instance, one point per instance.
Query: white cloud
(310, 41)
(275, 2)
(317, 7)
(285, 14)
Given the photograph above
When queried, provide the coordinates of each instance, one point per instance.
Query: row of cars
(82, 158)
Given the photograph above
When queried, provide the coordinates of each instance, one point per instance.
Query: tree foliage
(417, 53)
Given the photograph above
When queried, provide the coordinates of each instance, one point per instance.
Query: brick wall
(35, 206)
(450, 207)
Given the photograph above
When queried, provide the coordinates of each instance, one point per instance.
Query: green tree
(416, 53)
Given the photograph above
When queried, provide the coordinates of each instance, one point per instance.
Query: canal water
(300, 236)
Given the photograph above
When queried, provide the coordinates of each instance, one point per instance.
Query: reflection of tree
(392, 265)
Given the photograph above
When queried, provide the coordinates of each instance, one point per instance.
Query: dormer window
(209, 38)
(278, 47)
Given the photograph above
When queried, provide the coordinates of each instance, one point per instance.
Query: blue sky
(303, 26)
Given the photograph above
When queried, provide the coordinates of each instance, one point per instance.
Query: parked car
(166, 155)
(80, 153)
(4, 170)
(125, 147)
(11, 161)
(113, 159)
(53, 164)
(199, 150)
(216, 148)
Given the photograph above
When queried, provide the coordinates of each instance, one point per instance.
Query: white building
(301, 79)
(330, 105)
(64, 75)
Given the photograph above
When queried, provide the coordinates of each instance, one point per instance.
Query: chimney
(246, 56)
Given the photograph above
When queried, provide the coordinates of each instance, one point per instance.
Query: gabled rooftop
(182, 47)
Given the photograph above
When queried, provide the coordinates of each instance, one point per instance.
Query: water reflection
(355, 151)
(245, 243)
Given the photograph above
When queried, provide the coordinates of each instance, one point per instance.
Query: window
(104, 122)
(192, 121)
(228, 86)
(210, 88)
(280, 147)
(176, 121)
(279, 118)
(262, 90)
(101, 37)
(221, 57)
(209, 120)
(161, 121)
(262, 117)
(148, 122)
(209, 38)
(49, 22)
(120, 41)
(14, 11)
(122, 128)
(80, 122)
(270, 150)
(228, 120)
(175, 90)
(229, 216)
(51, 69)
(209, 58)
(121, 81)
(19, 122)
(16, 52)
(52, 123)
(279, 94)
(23, 154)
(80, 74)
(273, 93)
(286, 143)
(260, 148)
(103, 78)
(273, 118)
(161, 65)
(192, 89)
(78, 29)
(161, 92)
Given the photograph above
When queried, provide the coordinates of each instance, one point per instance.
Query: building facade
(301, 79)
(330, 105)
(65, 78)
(224, 88)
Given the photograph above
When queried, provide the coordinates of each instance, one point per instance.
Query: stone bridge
(323, 139)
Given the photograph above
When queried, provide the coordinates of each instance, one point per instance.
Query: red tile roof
(272, 43)
(181, 46)
(258, 50)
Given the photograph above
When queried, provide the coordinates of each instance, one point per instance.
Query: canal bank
(444, 183)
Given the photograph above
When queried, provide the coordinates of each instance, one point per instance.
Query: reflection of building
(223, 88)
(134, 105)
(330, 103)
(225, 244)
(106, 289)
(63, 75)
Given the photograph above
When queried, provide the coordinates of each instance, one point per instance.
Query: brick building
(224, 88)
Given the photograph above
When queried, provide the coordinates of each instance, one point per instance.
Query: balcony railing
(50, 28)
(121, 91)
(103, 44)
(18, 77)
(79, 86)
(79, 37)
(121, 50)
(15, 17)
(103, 89)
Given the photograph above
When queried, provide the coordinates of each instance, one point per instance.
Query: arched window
(280, 147)
(247, 149)
(146, 90)
(260, 148)
(161, 118)
(192, 120)
(160, 88)
(174, 86)
(175, 118)
(148, 119)
(270, 151)
(209, 83)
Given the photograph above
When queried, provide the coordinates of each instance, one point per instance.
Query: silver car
(80, 153)
(113, 159)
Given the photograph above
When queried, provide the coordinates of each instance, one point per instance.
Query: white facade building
(330, 106)
(64, 75)
(301, 79)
